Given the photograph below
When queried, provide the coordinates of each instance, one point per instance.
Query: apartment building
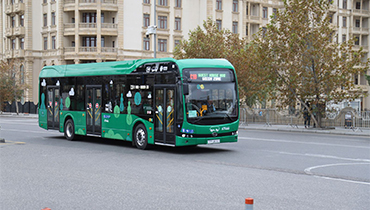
(57, 32)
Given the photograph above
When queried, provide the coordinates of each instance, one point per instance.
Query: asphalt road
(279, 170)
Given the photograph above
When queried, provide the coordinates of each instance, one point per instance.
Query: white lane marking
(344, 180)
(302, 142)
(326, 156)
(308, 171)
(25, 131)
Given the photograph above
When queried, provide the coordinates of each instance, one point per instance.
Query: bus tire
(69, 130)
(141, 137)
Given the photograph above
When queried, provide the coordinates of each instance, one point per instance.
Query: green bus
(154, 101)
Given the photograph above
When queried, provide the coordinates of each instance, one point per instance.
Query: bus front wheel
(141, 137)
(69, 130)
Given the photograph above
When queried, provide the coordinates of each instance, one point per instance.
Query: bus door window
(159, 110)
(98, 107)
(170, 111)
(53, 107)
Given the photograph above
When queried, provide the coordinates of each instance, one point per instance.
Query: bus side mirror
(185, 88)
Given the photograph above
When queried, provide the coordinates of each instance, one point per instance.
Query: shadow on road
(186, 150)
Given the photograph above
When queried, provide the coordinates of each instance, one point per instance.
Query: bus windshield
(212, 98)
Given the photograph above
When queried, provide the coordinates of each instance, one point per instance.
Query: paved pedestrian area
(263, 126)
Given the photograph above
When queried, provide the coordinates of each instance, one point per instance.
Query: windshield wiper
(227, 115)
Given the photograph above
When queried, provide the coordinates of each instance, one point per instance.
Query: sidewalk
(301, 128)
(258, 126)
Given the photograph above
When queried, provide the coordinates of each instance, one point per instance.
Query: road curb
(306, 131)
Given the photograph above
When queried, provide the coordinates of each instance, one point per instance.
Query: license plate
(213, 141)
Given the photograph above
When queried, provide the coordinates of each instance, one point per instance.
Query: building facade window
(264, 12)
(358, 5)
(146, 20)
(21, 43)
(235, 27)
(177, 3)
(102, 41)
(13, 44)
(163, 2)
(89, 17)
(344, 22)
(146, 43)
(162, 43)
(246, 30)
(178, 24)
(53, 43)
(219, 24)
(177, 42)
(21, 20)
(89, 41)
(45, 43)
(45, 20)
(235, 5)
(344, 6)
(53, 23)
(357, 40)
(12, 21)
(219, 4)
(147, 1)
(357, 23)
(344, 38)
(247, 10)
(162, 22)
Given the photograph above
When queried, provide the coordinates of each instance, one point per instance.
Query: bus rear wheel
(69, 130)
(141, 137)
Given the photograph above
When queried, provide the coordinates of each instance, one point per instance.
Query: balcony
(363, 30)
(18, 53)
(88, 49)
(108, 50)
(361, 12)
(69, 29)
(109, 29)
(87, 28)
(19, 31)
(9, 32)
(8, 9)
(69, 5)
(365, 48)
(109, 5)
(9, 54)
(88, 5)
(19, 7)
(69, 49)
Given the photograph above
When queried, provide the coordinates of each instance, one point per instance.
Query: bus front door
(93, 109)
(164, 119)
(53, 107)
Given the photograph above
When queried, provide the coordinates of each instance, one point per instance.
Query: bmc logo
(214, 129)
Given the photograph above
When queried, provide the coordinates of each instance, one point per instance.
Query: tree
(299, 51)
(211, 42)
(10, 88)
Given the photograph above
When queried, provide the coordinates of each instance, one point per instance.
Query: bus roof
(125, 67)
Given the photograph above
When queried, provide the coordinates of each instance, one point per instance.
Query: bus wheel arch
(69, 129)
(140, 136)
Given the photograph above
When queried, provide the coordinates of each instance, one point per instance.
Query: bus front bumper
(188, 141)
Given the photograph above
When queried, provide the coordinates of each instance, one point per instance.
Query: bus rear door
(93, 109)
(53, 107)
(164, 116)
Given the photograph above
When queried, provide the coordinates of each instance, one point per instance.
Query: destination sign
(210, 75)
